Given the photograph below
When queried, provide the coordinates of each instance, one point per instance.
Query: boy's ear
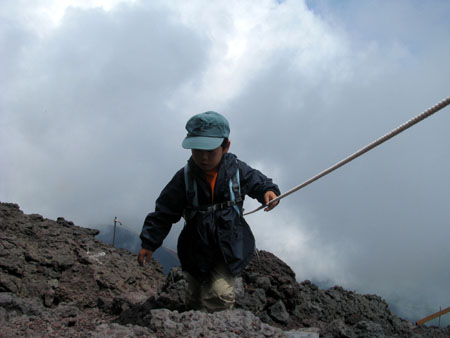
(227, 147)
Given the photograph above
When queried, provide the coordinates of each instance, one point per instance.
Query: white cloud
(286, 235)
(95, 96)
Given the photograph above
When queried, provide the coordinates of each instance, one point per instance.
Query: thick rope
(372, 145)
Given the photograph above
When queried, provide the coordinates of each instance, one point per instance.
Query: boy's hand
(144, 256)
(268, 196)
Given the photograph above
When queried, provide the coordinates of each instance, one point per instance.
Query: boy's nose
(204, 155)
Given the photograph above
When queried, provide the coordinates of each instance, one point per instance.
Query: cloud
(94, 101)
(94, 96)
(289, 236)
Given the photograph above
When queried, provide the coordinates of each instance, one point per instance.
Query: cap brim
(201, 142)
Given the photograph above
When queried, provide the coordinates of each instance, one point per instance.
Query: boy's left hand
(268, 196)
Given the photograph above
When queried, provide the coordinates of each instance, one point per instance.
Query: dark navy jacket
(208, 237)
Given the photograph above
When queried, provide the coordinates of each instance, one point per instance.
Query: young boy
(216, 242)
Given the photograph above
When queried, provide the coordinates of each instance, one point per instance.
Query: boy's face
(209, 159)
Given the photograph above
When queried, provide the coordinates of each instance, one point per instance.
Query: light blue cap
(206, 131)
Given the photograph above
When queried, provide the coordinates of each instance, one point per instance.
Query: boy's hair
(224, 143)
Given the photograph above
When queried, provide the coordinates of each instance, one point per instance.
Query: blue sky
(94, 96)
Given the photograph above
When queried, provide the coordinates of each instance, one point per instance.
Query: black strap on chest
(192, 196)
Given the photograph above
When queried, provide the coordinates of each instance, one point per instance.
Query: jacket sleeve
(255, 184)
(168, 210)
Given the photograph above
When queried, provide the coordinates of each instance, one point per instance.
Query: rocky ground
(57, 280)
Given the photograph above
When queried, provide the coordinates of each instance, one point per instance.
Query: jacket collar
(227, 167)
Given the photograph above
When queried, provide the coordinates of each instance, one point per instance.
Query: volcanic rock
(57, 280)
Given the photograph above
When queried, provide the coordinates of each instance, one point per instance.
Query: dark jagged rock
(272, 293)
(46, 266)
(268, 288)
(60, 262)
(57, 280)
